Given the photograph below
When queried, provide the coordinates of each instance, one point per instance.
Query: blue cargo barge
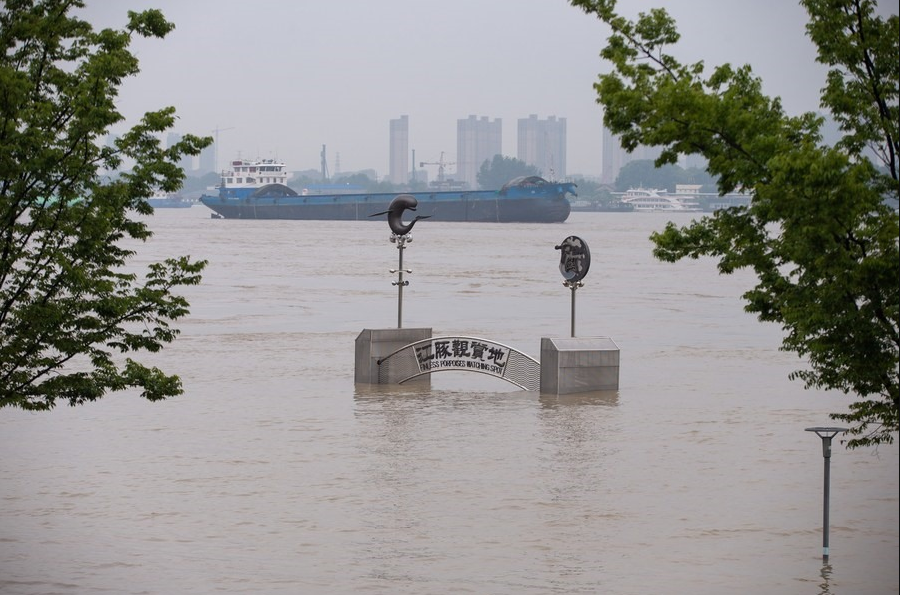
(529, 199)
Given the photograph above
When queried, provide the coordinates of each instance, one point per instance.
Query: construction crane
(217, 130)
(441, 165)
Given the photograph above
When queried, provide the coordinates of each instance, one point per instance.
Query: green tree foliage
(594, 193)
(588, 189)
(368, 184)
(643, 173)
(694, 175)
(495, 173)
(384, 186)
(299, 183)
(70, 310)
(821, 232)
(358, 179)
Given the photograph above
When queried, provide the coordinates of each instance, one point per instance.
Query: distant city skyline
(300, 75)
(297, 76)
(541, 143)
(478, 139)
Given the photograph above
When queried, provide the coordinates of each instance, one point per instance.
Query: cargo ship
(164, 200)
(258, 190)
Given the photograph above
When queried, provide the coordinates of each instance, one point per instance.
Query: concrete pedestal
(579, 364)
(375, 344)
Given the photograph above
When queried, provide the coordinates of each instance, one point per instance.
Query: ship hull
(498, 210)
(166, 203)
(546, 203)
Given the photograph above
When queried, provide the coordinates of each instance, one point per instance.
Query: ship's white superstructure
(254, 173)
(651, 199)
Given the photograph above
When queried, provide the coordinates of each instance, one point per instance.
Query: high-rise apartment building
(477, 141)
(399, 150)
(207, 160)
(613, 157)
(542, 143)
(187, 161)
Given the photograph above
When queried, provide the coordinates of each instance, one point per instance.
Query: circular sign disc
(575, 258)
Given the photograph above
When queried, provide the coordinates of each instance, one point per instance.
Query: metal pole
(574, 286)
(826, 434)
(401, 245)
(826, 490)
(400, 289)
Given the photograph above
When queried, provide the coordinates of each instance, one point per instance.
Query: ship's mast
(216, 131)
(324, 166)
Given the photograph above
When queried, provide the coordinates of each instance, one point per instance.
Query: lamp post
(826, 434)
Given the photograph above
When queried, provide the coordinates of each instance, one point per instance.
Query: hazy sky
(281, 78)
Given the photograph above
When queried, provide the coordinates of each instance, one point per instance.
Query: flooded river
(274, 473)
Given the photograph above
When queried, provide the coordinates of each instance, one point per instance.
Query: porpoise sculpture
(395, 211)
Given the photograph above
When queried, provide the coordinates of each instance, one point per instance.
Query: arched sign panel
(465, 354)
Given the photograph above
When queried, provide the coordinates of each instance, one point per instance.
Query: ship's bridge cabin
(254, 173)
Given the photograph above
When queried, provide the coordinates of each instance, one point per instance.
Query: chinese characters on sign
(575, 259)
(461, 353)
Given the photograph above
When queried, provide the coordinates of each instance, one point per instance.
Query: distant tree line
(492, 175)
(644, 173)
(500, 170)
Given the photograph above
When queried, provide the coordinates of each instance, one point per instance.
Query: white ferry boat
(650, 199)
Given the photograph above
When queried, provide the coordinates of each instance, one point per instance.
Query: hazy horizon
(281, 79)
